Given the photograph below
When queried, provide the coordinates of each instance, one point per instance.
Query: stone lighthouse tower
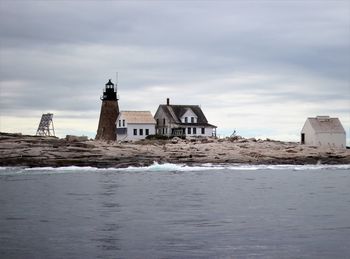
(109, 113)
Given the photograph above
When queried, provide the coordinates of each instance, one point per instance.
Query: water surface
(175, 212)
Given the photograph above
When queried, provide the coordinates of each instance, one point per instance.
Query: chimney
(167, 101)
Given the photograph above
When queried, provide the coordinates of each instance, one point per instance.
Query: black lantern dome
(109, 93)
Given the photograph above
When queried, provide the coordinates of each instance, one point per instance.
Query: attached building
(323, 131)
(182, 120)
(135, 125)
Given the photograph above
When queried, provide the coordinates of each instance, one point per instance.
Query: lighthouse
(109, 113)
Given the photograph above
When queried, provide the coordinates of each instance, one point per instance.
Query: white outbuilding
(135, 125)
(323, 131)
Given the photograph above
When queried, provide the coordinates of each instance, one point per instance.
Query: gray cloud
(58, 55)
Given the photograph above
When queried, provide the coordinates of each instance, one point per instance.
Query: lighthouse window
(123, 123)
(135, 132)
(141, 132)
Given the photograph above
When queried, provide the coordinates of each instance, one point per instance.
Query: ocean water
(176, 211)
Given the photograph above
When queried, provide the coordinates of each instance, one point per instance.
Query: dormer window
(186, 120)
(192, 119)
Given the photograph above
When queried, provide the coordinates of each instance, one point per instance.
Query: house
(135, 125)
(323, 131)
(182, 120)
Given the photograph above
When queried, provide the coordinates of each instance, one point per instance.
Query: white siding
(309, 134)
(189, 114)
(335, 140)
(160, 116)
(130, 132)
(208, 132)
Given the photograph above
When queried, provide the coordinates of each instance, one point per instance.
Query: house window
(194, 130)
(186, 120)
(135, 132)
(147, 132)
(188, 130)
(123, 123)
(141, 132)
(120, 123)
(164, 121)
(203, 131)
(157, 121)
(192, 119)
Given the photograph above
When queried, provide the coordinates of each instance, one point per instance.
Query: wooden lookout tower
(109, 113)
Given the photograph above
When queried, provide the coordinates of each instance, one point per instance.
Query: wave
(241, 167)
(168, 167)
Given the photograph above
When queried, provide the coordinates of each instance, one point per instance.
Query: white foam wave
(167, 167)
(156, 167)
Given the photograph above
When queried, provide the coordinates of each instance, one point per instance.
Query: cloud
(261, 67)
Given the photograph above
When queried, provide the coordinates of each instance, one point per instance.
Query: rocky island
(36, 151)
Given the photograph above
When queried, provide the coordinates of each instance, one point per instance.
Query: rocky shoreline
(35, 151)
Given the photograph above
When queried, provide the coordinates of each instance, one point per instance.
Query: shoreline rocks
(37, 151)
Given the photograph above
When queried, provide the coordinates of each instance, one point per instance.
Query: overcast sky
(257, 67)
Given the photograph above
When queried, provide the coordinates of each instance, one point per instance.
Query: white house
(135, 125)
(323, 131)
(182, 120)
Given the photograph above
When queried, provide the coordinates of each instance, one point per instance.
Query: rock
(16, 150)
(176, 140)
(72, 138)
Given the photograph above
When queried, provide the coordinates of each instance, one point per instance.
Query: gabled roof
(138, 117)
(325, 124)
(175, 112)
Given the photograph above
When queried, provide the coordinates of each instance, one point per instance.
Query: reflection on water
(107, 233)
(213, 213)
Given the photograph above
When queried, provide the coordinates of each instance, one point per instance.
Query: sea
(176, 211)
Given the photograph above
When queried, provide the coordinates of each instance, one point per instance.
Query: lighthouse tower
(109, 113)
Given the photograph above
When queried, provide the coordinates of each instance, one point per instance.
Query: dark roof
(177, 111)
(110, 82)
(198, 125)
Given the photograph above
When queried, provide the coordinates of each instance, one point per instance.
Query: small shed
(135, 125)
(323, 131)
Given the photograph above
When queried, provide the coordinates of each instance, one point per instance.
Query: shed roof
(324, 124)
(138, 117)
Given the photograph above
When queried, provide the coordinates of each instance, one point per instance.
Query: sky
(257, 67)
